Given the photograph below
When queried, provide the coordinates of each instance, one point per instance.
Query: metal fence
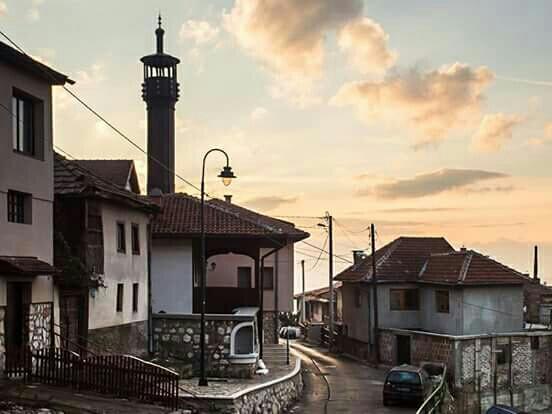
(123, 376)
(434, 403)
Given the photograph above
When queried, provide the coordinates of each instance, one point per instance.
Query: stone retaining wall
(176, 340)
(129, 338)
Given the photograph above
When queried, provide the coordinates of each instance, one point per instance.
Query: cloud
(432, 102)
(90, 76)
(3, 9)
(365, 41)
(258, 113)
(420, 210)
(288, 35)
(546, 139)
(493, 189)
(33, 15)
(200, 32)
(494, 131)
(270, 202)
(431, 183)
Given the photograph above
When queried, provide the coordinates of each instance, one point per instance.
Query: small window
(268, 278)
(502, 354)
(135, 297)
(19, 207)
(535, 343)
(135, 239)
(23, 128)
(121, 239)
(244, 277)
(120, 293)
(442, 301)
(404, 300)
(358, 298)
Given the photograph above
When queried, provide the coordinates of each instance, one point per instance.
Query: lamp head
(227, 175)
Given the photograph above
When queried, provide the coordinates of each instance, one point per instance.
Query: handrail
(432, 404)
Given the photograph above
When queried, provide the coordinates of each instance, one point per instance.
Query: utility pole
(329, 218)
(303, 307)
(375, 292)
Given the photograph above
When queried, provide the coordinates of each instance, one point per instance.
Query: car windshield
(403, 377)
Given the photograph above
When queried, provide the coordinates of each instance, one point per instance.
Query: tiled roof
(72, 179)
(468, 267)
(117, 172)
(320, 292)
(25, 266)
(180, 216)
(12, 56)
(400, 260)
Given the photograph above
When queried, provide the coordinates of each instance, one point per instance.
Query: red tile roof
(322, 292)
(400, 260)
(72, 179)
(468, 267)
(25, 266)
(180, 216)
(118, 172)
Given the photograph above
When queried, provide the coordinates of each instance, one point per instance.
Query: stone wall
(270, 327)
(130, 338)
(176, 340)
(40, 325)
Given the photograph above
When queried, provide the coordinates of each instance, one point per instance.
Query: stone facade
(40, 325)
(176, 340)
(271, 325)
(130, 338)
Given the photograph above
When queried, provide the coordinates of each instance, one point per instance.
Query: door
(17, 332)
(73, 327)
(403, 349)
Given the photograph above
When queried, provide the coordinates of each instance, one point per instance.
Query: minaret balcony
(160, 87)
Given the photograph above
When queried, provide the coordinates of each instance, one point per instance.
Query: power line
(325, 251)
(320, 255)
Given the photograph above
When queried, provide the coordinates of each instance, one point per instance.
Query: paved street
(351, 387)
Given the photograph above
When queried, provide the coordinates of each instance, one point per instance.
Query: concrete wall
(396, 319)
(126, 268)
(445, 323)
(489, 309)
(355, 319)
(172, 279)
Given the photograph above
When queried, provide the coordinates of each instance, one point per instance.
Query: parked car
(503, 409)
(293, 331)
(406, 383)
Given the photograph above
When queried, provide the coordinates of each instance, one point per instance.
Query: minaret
(160, 91)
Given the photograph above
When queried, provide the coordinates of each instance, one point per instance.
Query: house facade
(423, 284)
(104, 229)
(28, 297)
(317, 304)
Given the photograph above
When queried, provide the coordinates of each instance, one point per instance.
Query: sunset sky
(425, 117)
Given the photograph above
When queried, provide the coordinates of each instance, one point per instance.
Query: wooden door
(17, 328)
(73, 327)
(403, 349)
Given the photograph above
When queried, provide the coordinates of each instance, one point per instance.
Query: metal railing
(434, 403)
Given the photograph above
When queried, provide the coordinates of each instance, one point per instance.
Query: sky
(427, 118)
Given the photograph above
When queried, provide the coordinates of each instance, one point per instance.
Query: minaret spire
(159, 33)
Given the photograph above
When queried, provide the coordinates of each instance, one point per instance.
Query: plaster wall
(446, 323)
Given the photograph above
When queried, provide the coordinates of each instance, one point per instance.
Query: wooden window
(404, 299)
(268, 276)
(244, 277)
(27, 124)
(135, 297)
(358, 298)
(442, 301)
(121, 237)
(19, 207)
(135, 239)
(120, 293)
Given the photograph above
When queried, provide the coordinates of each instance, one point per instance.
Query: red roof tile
(400, 260)
(468, 267)
(118, 172)
(25, 266)
(180, 216)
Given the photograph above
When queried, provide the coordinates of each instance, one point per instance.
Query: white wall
(22, 173)
(172, 279)
(126, 268)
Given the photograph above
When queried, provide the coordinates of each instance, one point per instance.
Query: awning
(25, 266)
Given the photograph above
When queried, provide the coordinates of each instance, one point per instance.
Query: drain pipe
(261, 299)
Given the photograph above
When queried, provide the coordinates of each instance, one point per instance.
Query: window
(121, 239)
(119, 306)
(268, 276)
(19, 207)
(404, 299)
(27, 124)
(244, 277)
(135, 297)
(358, 298)
(442, 301)
(535, 343)
(135, 239)
(502, 354)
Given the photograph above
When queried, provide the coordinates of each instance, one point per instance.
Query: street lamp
(227, 176)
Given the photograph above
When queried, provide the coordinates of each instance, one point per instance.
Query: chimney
(228, 198)
(358, 256)
(463, 249)
(536, 264)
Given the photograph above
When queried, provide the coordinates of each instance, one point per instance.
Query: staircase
(274, 355)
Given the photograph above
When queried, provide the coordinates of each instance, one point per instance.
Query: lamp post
(227, 175)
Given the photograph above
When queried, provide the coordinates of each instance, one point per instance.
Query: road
(335, 384)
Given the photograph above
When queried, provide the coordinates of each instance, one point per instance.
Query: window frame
(269, 286)
(403, 304)
(30, 143)
(121, 242)
(120, 298)
(135, 242)
(439, 295)
(19, 207)
(135, 297)
(249, 284)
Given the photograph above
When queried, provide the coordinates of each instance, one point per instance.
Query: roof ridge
(511, 269)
